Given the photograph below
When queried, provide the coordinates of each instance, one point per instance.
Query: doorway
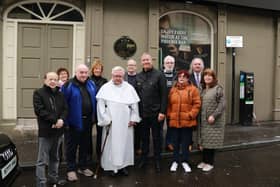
(41, 48)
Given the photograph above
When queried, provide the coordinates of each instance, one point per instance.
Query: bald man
(80, 93)
(51, 110)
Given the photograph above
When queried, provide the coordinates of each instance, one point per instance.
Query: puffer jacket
(183, 105)
(211, 136)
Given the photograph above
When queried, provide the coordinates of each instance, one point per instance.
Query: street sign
(234, 41)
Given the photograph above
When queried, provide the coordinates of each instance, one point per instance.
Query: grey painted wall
(257, 55)
(1, 67)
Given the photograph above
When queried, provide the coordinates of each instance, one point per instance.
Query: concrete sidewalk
(24, 135)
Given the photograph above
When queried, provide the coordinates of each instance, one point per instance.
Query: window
(184, 36)
(45, 11)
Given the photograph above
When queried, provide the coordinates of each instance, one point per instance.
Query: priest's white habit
(117, 105)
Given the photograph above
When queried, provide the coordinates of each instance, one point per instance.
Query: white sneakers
(205, 167)
(174, 167)
(200, 165)
(185, 165)
(187, 168)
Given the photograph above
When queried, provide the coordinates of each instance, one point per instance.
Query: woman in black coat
(96, 77)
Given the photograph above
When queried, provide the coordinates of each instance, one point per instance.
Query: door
(41, 48)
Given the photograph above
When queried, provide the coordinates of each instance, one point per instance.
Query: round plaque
(125, 47)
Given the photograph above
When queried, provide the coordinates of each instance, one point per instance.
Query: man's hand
(131, 123)
(161, 116)
(59, 123)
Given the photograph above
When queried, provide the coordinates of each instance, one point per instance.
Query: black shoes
(123, 171)
(113, 174)
(157, 166)
(141, 164)
(59, 182)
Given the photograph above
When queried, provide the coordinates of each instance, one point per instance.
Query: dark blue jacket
(72, 94)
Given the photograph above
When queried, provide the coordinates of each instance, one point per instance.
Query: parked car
(9, 168)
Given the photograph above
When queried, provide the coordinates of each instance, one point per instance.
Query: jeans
(183, 137)
(48, 155)
(78, 139)
(168, 137)
(156, 126)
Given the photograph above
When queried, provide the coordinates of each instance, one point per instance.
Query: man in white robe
(117, 110)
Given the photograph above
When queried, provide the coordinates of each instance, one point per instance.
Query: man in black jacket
(130, 77)
(51, 110)
(152, 90)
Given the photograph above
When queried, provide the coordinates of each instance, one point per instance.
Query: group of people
(126, 109)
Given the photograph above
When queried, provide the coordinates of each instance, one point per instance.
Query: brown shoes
(170, 147)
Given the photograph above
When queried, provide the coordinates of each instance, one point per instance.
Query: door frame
(9, 73)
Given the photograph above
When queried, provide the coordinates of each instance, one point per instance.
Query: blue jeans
(47, 156)
(183, 137)
(168, 138)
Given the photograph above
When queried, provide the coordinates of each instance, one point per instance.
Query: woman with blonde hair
(212, 126)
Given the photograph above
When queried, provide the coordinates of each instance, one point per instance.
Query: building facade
(41, 35)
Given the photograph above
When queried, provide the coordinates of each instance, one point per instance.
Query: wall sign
(125, 47)
(234, 41)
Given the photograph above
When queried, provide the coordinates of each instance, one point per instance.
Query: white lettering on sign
(234, 41)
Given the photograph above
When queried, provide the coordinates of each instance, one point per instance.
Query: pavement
(23, 133)
(252, 167)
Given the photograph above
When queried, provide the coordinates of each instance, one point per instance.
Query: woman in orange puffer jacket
(183, 107)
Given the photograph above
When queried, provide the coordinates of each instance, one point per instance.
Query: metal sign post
(233, 85)
(233, 42)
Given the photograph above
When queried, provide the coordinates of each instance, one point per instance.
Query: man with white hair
(170, 75)
(197, 66)
(80, 94)
(117, 111)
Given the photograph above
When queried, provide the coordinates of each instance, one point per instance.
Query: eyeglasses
(117, 76)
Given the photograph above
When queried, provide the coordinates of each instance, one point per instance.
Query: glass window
(33, 8)
(18, 13)
(58, 9)
(45, 11)
(184, 36)
(46, 7)
(73, 15)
